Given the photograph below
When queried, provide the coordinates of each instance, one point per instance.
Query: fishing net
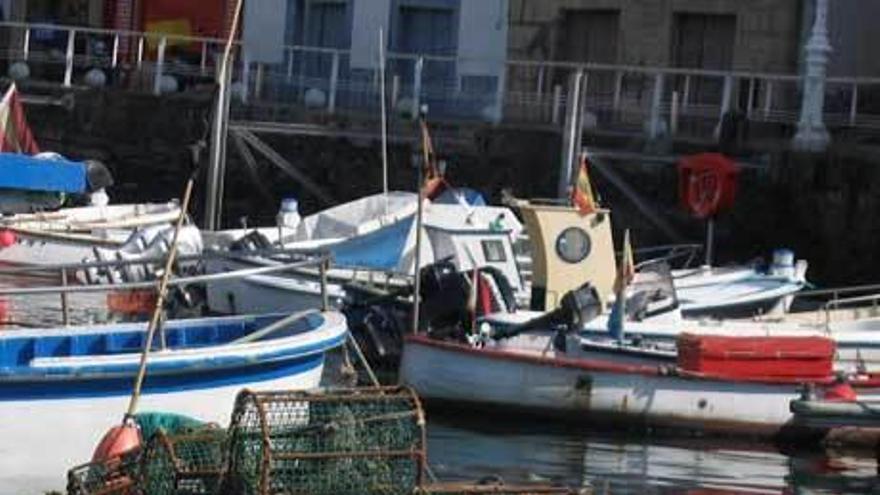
(336, 442)
(183, 464)
(117, 476)
(493, 488)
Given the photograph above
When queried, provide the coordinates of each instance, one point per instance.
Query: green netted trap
(493, 488)
(118, 476)
(184, 464)
(335, 442)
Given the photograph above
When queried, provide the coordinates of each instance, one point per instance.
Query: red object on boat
(117, 441)
(707, 183)
(7, 238)
(840, 392)
(133, 302)
(756, 357)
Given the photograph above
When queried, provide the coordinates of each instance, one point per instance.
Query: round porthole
(573, 245)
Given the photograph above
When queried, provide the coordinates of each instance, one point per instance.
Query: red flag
(15, 134)
(582, 192)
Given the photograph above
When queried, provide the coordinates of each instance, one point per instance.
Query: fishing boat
(60, 388)
(368, 248)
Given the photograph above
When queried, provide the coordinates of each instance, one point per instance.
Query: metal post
(768, 99)
(686, 92)
(557, 103)
(258, 82)
(571, 134)
(115, 57)
(382, 101)
(726, 97)
(750, 101)
(417, 87)
(673, 114)
(854, 104)
(395, 91)
(26, 46)
(140, 54)
(245, 77)
(65, 306)
(618, 90)
(203, 61)
(656, 112)
(290, 66)
(812, 134)
(417, 283)
(68, 69)
(334, 82)
(540, 87)
(325, 301)
(160, 65)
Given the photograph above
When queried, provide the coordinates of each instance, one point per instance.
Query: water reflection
(469, 448)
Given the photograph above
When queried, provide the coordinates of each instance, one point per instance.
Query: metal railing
(655, 100)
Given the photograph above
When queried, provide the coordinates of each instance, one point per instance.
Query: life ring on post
(707, 183)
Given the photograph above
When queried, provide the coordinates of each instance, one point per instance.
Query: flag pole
(384, 116)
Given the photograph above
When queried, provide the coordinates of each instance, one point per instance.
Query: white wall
(368, 17)
(264, 25)
(482, 37)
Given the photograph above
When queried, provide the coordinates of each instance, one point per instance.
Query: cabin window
(573, 245)
(493, 252)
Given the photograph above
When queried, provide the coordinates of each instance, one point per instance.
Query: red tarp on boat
(755, 357)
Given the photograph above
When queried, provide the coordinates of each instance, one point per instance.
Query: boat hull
(586, 390)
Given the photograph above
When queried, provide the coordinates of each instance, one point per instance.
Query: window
(493, 252)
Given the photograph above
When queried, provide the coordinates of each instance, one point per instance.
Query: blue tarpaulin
(379, 250)
(24, 172)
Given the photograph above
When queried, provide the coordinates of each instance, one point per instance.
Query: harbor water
(463, 445)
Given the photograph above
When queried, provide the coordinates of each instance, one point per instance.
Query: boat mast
(384, 117)
(218, 132)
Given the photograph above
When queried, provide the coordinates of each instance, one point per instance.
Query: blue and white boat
(60, 389)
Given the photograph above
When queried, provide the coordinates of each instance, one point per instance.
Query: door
(704, 41)
(427, 31)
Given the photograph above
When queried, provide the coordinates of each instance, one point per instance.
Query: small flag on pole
(582, 192)
(15, 134)
(625, 274)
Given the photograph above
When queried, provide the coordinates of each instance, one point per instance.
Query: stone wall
(767, 31)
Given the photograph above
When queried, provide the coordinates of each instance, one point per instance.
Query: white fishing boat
(60, 389)
(70, 235)
(529, 374)
(368, 247)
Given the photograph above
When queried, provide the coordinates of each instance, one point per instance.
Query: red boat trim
(596, 365)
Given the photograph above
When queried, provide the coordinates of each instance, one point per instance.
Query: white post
(384, 115)
(417, 86)
(654, 126)
(686, 92)
(26, 46)
(160, 64)
(395, 90)
(203, 62)
(768, 99)
(140, 56)
(290, 66)
(673, 115)
(751, 98)
(68, 69)
(571, 137)
(726, 98)
(245, 76)
(334, 82)
(618, 89)
(811, 132)
(115, 60)
(540, 87)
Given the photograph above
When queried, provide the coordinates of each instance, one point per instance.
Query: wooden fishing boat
(61, 388)
(530, 373)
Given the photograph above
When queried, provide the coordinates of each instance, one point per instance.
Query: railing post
(203, 61)
(686, 92)
(540, 85)
(334, 82)
(750, 101)
(26, 45)
(395, 91)
(656, 101)
(417, 86)
(68, 60)
(258, 83)
(726, 97)
(854, 104)
(140, 54)
(673, 115)
(618, 90)
(115, 56)
(160, 65)
(245, 77)
(557, 103)
(768, 99)
(290, 66)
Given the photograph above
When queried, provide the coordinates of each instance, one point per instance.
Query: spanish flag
(582, 192)
(626, 272)
(15, 134)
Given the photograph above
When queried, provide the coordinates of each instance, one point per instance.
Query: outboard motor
(252, 241)
(577, 308)
(444, 292)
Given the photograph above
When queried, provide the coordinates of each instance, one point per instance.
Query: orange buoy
(7, 238)
(117, 441)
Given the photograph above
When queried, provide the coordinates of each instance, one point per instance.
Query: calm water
(465, 447)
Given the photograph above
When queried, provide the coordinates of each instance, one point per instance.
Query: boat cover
(753, 357)
(55, 174)
(357, 217)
